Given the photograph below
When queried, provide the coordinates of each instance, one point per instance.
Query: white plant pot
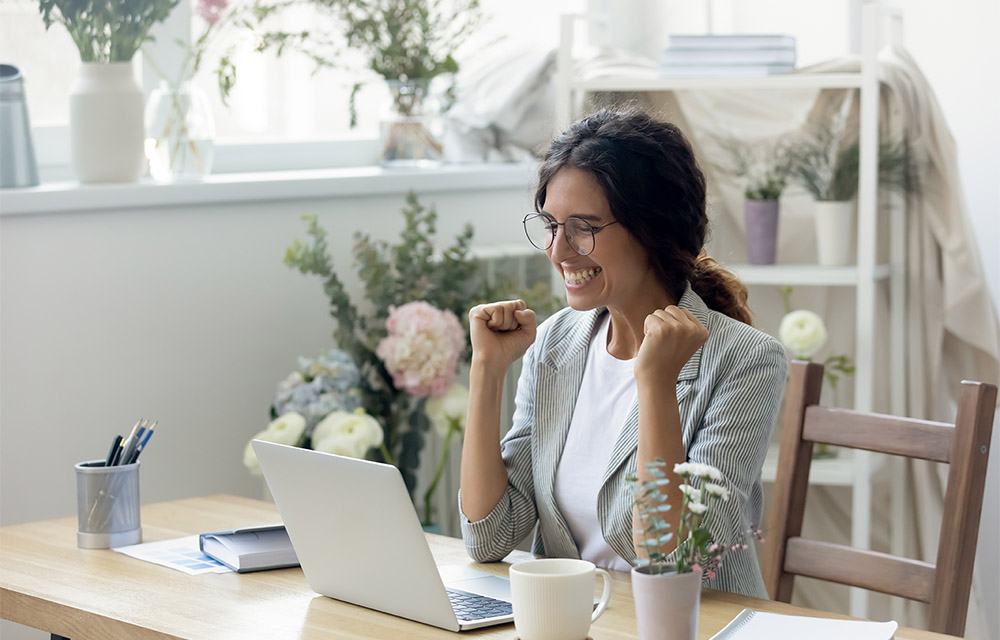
(105, 124)
(666, 605)
(835, 232)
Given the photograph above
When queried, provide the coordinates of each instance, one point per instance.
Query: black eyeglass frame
(552, 237)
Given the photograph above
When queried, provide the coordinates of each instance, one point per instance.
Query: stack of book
(728, 55)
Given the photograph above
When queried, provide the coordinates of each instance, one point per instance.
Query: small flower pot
(834, 233)
(666, 604)
(762, 230)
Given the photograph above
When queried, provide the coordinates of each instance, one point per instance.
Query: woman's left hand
(671, 336)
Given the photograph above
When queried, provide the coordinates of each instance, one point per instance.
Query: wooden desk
(48, 583)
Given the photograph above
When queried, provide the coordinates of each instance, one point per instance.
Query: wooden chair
(965, 445)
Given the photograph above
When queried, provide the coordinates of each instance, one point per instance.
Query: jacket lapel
(560, 375)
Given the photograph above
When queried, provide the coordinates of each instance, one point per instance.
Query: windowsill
(275, 185)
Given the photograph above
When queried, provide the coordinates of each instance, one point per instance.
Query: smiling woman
(654, 359)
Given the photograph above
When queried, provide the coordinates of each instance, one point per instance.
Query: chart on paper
(182, 554)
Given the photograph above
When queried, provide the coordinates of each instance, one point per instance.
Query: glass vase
(180, 133)
(407, 129)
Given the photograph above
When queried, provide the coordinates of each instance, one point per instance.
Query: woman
(654, 358)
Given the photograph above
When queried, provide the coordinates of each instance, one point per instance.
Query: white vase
(666, 604)
(834, 232)
(105, 124)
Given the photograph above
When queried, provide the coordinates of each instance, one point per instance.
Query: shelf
(802, 274)
(784, 81)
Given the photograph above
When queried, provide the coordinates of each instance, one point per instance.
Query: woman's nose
(560, 246)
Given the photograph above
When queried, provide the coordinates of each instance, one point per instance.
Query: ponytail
(720, 289)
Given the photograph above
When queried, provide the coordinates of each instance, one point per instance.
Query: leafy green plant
(827, 163)
(695, 549)
(110, 31)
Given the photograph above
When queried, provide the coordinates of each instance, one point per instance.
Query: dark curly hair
(651, 179)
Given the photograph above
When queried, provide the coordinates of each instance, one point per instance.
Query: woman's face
(616, 272)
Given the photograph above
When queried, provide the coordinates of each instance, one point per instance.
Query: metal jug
(17, 156)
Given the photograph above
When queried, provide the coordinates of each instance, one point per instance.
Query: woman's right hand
(501, 332)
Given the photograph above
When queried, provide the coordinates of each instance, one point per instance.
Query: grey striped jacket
(729, 393)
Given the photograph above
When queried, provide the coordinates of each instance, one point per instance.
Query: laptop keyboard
(472, 606)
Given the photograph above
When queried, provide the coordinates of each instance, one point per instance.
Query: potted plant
(763, 169)
(407, 44)
(666, 586)
(106, 104)
(827, 165)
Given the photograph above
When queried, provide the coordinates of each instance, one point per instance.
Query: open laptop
(358, 539)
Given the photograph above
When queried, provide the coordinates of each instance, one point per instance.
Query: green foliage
(407, 39)
(110, 31)
(827, 165)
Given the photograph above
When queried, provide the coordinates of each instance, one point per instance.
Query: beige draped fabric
(953, 332)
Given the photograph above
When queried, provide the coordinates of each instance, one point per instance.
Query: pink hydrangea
(422, 348)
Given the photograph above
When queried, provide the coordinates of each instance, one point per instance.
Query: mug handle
(603, 604)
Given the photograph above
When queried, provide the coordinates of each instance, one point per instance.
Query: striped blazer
(728, 394)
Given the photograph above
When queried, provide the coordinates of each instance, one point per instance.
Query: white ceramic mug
(554, 598)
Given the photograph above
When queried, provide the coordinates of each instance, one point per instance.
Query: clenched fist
(501, 332)
(670, 338)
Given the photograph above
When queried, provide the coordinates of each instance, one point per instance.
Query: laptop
(359, 540)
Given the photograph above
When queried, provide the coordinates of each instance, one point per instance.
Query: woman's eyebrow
(589, 217)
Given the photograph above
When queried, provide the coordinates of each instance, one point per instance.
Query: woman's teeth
(579, 277)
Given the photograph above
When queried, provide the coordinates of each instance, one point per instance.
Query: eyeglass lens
(541, 231)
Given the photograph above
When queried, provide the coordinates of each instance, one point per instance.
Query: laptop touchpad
(473, 581)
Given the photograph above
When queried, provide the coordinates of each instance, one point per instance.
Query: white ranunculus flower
(697, 508)
(286, 429)
(341, 445)
(267, 435)
(358, 427)
(699, 470)
(453, 404)
(691, 492)
(717, 490)
(803, 332)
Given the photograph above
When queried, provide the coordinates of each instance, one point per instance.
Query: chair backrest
(965, 446)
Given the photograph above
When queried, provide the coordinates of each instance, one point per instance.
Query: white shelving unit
(855, 469)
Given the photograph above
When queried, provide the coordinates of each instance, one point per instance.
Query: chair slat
(881, 572)
(875, 432)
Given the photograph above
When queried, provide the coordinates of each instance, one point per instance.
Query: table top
(48, 583)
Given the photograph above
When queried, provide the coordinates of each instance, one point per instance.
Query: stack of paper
(757, 625)
(728, 55)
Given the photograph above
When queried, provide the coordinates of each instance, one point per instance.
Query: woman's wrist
(487, 372)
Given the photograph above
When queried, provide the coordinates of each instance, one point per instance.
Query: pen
(114, 449)
(128, 445)
(142, 443)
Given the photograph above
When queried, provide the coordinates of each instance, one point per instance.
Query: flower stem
(437, 476)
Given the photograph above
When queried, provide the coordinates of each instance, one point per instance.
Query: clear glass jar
(180, 133)
(407, 128)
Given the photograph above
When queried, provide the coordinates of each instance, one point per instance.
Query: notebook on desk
(758, 625)
(357, 536)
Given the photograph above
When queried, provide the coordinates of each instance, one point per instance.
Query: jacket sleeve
(510, 521)
(734, 437)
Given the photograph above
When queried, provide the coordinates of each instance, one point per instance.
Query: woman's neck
(627, 320)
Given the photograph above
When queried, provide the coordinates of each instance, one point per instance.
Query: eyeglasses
(541, 231)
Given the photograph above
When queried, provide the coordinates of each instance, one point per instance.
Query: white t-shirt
(606, 395)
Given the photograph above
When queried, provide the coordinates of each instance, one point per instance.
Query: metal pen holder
(107, 500)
